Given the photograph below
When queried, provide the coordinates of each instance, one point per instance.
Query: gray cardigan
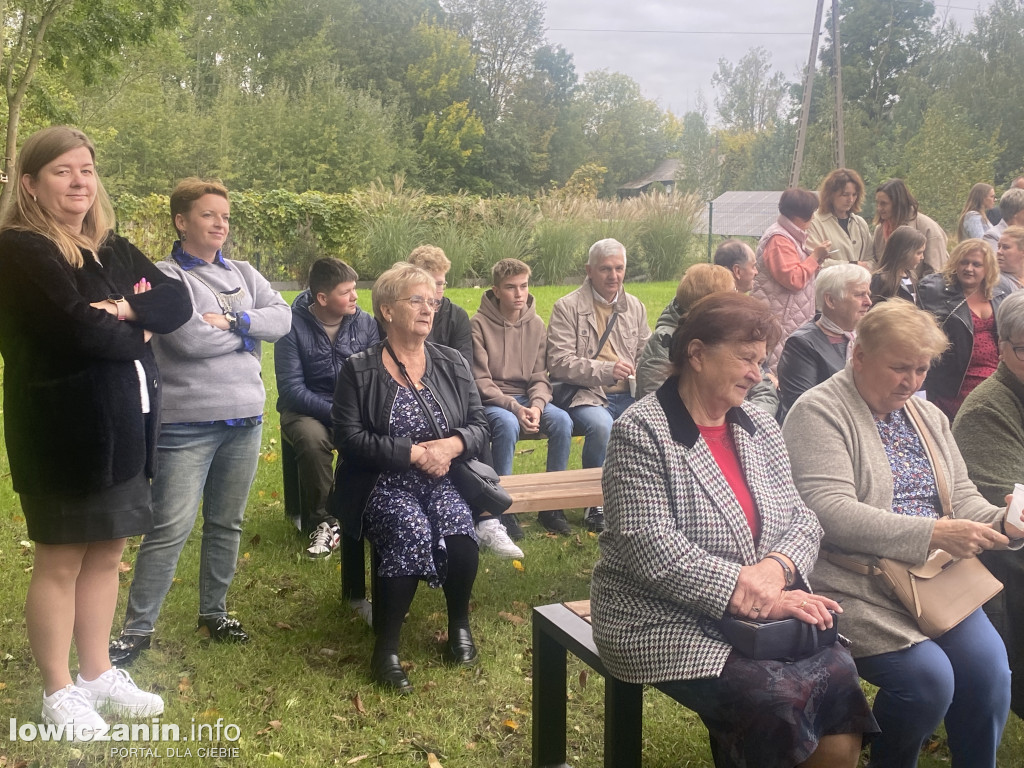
(842, 472)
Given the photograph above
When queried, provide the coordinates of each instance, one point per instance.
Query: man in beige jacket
(603, 376)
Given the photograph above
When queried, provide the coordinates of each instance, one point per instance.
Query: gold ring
(803, 603)
(757, 610)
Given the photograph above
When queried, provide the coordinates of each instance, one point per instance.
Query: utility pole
(840, 153)
(805, 111)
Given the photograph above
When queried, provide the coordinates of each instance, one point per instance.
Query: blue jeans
(962, 677)
(214, 463)
(554, 422)
(594, 422)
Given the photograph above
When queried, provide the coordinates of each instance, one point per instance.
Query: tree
(698, 149)
(504, 34)
(751, 96)
(87, 34)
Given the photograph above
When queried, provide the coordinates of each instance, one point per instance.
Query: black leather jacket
(808, 358)
(361, 415)
(950, 308)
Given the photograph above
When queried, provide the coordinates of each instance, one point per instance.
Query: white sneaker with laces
(324, 540)
(492, 534)
(70, 706)
(116, 689)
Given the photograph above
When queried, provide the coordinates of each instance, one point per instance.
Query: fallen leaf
(276, 755)
(340, 719)
(356, 759)
(512, 725)
(184, 685)
(584, 676)
(520, 606)
(518, 565)
(210, 714)
(328, 652)
(511, 617)
(123, 567)
(270, 457)
(273, 494)
(432, 761)
(357, 702)
(255, 540)
(282, 625)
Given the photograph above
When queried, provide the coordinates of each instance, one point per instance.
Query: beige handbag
(942, 591)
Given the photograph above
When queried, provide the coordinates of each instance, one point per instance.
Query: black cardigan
(363, 401)
(72, 403)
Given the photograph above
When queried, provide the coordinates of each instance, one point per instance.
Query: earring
(35, 199)
(182, 238)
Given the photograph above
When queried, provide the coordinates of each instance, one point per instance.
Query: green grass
(300, 693)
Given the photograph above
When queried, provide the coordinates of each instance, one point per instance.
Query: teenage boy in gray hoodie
(509, 343)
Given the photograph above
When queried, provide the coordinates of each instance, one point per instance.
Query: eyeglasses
(419, 301)
(1018, 353)
(442, 284)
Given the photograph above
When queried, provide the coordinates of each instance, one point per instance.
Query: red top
(723, 449)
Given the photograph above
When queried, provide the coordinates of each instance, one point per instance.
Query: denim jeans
(594, 422)
(961, 677)
(214, 463)
(554, 422)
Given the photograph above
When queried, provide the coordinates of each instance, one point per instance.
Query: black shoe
(594, 519)
(460, 649)
(388, 673)
(127, 648)
(555, 522)
(512, 527)
(223, 629)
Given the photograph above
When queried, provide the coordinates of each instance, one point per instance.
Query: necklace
(315, 310)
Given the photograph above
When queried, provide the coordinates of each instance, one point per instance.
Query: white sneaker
(492, 534)
(116, 689)
(70, 706)
(324, 540)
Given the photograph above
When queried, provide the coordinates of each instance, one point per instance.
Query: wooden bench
(557, 629)
(541, 491)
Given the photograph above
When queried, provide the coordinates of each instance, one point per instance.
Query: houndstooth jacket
(675, 537)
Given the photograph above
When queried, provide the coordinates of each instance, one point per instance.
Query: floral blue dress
(409, 513)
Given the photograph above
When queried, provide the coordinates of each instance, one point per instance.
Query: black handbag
(562, 392)
(476, 480)
(778, 640)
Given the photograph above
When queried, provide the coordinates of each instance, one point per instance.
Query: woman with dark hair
(703, 521)
(964, 298)
(896, 275)
(896, 207)
(787, 261)
(212, 421)
(836, 220)
(973, 221)
(78, 306)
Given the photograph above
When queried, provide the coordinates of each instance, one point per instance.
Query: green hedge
(283, 232)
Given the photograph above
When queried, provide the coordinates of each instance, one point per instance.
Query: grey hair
(1011, 203)
(835, 280)
(604, 249)
(1010, 317)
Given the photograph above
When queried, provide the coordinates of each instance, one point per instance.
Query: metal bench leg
(623, 723)
(549, 691)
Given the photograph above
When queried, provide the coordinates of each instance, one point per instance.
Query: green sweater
(989, 429)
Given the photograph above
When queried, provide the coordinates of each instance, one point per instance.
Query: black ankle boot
(388, 673)
(460, 649)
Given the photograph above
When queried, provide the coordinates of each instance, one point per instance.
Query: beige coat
(936, 254)
(842, 472)
(573, 338)
(853, 247)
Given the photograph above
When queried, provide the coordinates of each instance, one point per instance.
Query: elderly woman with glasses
(989, 430)
(394, 469)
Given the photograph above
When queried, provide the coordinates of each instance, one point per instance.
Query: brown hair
(701, 280)
(27, 215)
(430, 258)
(720, 318)
(967, 247)
(507, 268)
(798, 203)
(187, 191)
(904, 242)
(836, 182)
(904, 204)
(975, 202)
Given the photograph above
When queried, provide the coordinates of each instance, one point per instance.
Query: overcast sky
(672, 47)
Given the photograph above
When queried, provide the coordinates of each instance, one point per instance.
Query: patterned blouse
(914, 491)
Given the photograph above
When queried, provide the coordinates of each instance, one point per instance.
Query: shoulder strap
(415, 392)
(606, 334)
(222, 303)
(914, 414)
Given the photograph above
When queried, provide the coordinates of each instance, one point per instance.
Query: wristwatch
(122, 306)
(232, 321)
(786, 570)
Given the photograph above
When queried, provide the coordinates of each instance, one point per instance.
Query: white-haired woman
(820, 347)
